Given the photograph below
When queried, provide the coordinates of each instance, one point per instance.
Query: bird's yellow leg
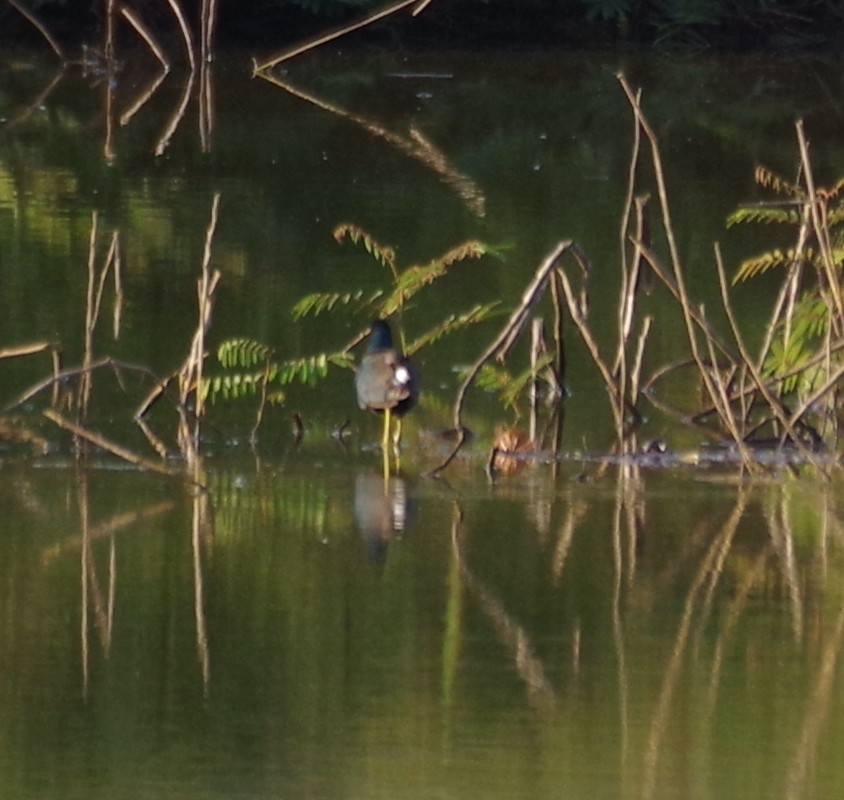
(385, 443)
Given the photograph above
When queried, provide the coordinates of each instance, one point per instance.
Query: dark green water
(303, 630)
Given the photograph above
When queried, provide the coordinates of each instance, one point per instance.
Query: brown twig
(773, 403)
(310, 44)
(506, 337)
(40, 27)
(146, 34)
(417, 146)
(110, 447)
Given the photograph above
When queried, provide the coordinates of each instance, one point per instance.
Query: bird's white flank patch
(402, 375)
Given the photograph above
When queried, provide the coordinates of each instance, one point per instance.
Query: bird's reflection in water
(383, 512)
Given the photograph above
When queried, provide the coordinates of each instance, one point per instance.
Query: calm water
(304, 630)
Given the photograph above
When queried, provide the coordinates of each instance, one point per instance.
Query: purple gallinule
(386, 381)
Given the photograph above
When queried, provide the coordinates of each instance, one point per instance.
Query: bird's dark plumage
(385, 379)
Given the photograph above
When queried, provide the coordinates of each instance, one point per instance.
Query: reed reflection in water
(632, 636)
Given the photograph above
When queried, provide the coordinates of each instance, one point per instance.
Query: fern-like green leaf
(517, 385)
(384, 255)
(773, 258)
(764, 214)
(311, 369)
(243, 353)
(770, 179)
(491, 378)
(418, 277)
(453, 323)
(233, 386)
(318, 302)
(835, 216)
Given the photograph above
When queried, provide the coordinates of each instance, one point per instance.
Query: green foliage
(311, 369)
(757, 265)
(386, 256)
(406, 283)
(510, 387)
(793, 212)
(250, 367)
(240, 356)
(801, 335)
(791, 353)
(451, 324)
(315, 304)
(243, 353)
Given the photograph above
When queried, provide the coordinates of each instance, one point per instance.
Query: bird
(386, 381)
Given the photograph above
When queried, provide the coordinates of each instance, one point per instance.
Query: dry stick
(38, 102)
(60, 376)
(625, 309)
(90, 321)
(117, 314)
(143, 98)
(537, 347)
(26, 350)
(698, 319)
(259, 416)
(559, 334)
(821, 230)
(801, 771)
(417, 148)
(664, 370)
(374, 16)
(109, 446)
(109, 152)
(773, 403)
(636, 370)
(209, 21)
(179, 113)
(206, 106)
(579, 319)
(146, 34)
(681, 293)
(820, 226)
(190, 374)
(671, 671)
(830, 384)
(108, 49)
(514, 325)
(719, 394)
(176, 118)
(783, 310)
(33, 20)
(206, 84)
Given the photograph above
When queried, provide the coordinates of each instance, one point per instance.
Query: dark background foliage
(681, 24)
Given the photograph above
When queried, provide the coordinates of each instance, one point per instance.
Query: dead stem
(672, 669)
(143, 97)
(39, 26)
(578, 316)
(110, 447)
(773, 402)
(507, 336)
(177, 116)
(39, 101)
(146, 34)
(310, 44)
(190, 374)
(416, 147)
(821, 230)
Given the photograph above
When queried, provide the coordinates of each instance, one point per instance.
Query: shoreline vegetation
(783, 398)
(684, 26)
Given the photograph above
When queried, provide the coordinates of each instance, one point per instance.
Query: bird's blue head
(380, 337)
